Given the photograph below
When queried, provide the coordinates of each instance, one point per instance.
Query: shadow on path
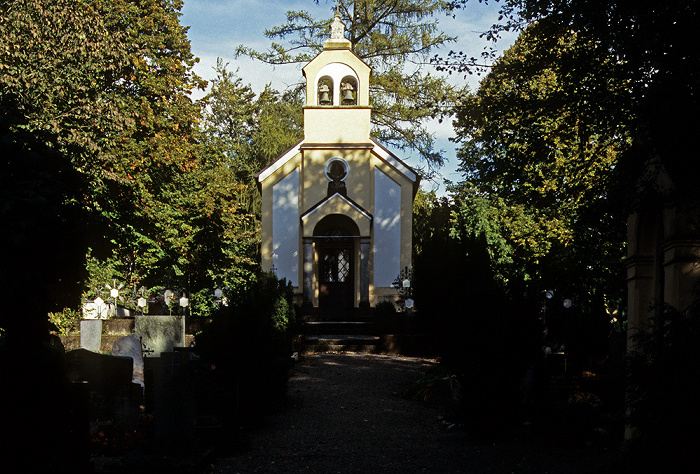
(345, 415)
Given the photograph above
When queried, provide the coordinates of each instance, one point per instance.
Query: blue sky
(217, 27)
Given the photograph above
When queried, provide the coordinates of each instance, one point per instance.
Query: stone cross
(337, 27)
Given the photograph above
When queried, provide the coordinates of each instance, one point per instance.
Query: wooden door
(336, 275)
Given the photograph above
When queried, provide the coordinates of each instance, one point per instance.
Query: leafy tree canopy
(106, 84)
(249, 130)
(539, 150)
(395, 39)
(650, 42)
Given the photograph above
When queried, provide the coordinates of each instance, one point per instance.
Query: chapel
(337, 206)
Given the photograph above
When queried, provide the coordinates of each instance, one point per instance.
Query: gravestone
(174, 401)
(91, 334)
(160, 333)
(113, 395)
(130, 346)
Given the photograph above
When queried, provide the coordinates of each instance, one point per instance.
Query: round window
(336, 169)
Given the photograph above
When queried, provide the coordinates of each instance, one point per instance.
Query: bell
(325, 99)
(347, 94)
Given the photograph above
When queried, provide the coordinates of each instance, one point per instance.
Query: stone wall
(114, 328)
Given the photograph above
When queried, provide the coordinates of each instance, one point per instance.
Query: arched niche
(324, 91)
(336, 73)
(348, 91)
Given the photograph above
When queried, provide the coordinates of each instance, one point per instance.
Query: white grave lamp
(99, 303)
(141, 303)
(168, 296)
(184, 303)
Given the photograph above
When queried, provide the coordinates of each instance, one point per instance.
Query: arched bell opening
(325, 91)
(336, 242)
(348, 91)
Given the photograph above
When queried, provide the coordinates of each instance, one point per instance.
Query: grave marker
(160, 333)
(91, 334)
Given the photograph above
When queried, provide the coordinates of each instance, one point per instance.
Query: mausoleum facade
(337, 206)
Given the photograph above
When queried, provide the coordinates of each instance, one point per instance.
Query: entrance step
(353, 331)
(342, 343)
(338, 327)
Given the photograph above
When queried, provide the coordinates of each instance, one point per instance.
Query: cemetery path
(345, 415)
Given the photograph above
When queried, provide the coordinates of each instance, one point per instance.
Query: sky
(217, 27)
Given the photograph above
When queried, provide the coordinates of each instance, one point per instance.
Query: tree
(53, 126)
(394, 39)
(250, 131)
(660, 67)
(164, 209)
(541, 141)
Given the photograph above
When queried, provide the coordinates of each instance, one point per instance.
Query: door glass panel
(336, 265)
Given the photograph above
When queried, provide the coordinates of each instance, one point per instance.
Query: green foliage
(65, 321)
(79, 106)
(387, 319)
(436, 385)
(394, 39)
(431, 217)
(249, 343)
(249, 131)
(657, 67)
(164, 205)
(485, 337)
(539, 151)
(49, 126)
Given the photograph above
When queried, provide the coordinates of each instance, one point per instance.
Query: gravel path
(345, 415)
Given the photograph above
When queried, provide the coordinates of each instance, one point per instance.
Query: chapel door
(336, 276)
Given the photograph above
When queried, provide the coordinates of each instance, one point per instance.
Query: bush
(248, 346)
(480, 332)
(65, 321)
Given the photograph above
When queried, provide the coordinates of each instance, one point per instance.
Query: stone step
(338, 327)
(342, 343)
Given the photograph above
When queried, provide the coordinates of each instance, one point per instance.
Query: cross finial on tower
(337, 27)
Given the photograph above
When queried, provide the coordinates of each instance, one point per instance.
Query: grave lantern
(168, 296)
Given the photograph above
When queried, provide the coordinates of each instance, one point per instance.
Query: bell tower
(337, 92)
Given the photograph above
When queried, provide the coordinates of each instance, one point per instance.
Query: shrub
(248, 345)
(65, 321)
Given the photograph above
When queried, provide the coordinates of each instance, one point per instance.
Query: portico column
(364, 272)
(308, 271)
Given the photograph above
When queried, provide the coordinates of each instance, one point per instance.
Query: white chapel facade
(337, 206)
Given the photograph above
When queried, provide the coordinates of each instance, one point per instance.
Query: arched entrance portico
(336, 252)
